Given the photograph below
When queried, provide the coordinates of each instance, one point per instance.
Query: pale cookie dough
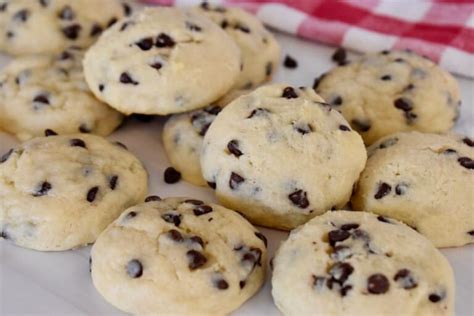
(281, 156)
(162, 61)
(48, 92)
(50, 26)
(260, 50)
(424, 180)
(355, 263)
(380, 94)
(178, 257)
(61, 192)
(183, 135)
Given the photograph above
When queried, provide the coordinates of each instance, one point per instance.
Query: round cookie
(178, 257)
(50, 26)
(61, 192)
(40, 92)
(162, 61)
(281, 156)
(260, 50)
(389, 92)
(424, 180)
(355, 263)
(183, 135)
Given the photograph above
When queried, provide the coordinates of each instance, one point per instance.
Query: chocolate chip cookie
(161, 61)
(425, 180)
(357, 263)
(178, 256)
(281, 155)
(60, 192)
(389, 92)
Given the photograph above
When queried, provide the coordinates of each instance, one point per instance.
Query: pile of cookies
(275, 155)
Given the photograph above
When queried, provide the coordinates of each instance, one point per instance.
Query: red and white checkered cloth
(441, 30)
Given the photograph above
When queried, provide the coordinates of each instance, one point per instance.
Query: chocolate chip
(338, 235)
(125, 25)
(22, 15)
(339, 56)
(303, 128)
(242, 28)
(361, 125)
(466, 162)
(290, 62)
(383, 190)
(3, 7)
(289, 93)
(344, 128)
(113, 182)
(213, 109)
(101, 87)
(377, 284)
(262, 237)
(41, 98)
(197, 240)
(120, 145)
(130, 215)
(221, 284)
(92, 193)
(66, 13)
(403, 104)
(401, 188)
(318, 281)
(399, 60)
(212, 185)
(318, 80)
(65, 55)
(163, 40)
(134, 268)
(76, 142)
(242, 284)
(152, 198)
(194, 202)
(171, 175)
(196, 259)
(235, 180)
(299, 198)
(172, 218)
(233, 147)
(10, 35)
(388, 142)
(468, 141)
(384, 219)
(145, 43)
(49, 132)
(340, 272)
(435, 297)
(126, 79)
(72, 31)
(350, 226)
(112, 22)
(43, 189)
(471, 232)
(127, 10)
(386, 78)
(336, 101)
(224, 24)
(343, 291)
(175, 235)
(6, 155)
(202, 209)
(410, 86)
(253, 256)
(84, 129)
(410, 117)
(258, 112)
(157, 65)
(193, 27)
(405, 278)
(268, 69)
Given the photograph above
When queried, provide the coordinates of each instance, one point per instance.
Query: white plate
(59, 283)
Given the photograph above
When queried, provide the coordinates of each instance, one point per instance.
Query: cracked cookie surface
(281, 156)
(162, 61)
(60, 192)
(424, 180)
(357, 263)
(48, 92)
(389, 92)
(178, 256)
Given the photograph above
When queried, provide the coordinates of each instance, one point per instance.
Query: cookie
(281, 156)
(41, 92)
(389, 92)
(61, 192)
(260, 50)
(50, 26)
(424, 180)
(355, 263)
(178, 256)
(183, 135)
(162, 61)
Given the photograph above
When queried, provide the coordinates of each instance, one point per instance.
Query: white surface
(59, 283)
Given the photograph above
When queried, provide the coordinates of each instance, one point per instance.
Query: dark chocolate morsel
(383, 190)
(134, 268)
(378, 284)
(171, 175)
(152, 198)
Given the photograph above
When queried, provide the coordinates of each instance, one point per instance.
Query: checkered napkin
(441, 30)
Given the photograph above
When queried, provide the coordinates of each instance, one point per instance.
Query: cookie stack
(283, 157)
